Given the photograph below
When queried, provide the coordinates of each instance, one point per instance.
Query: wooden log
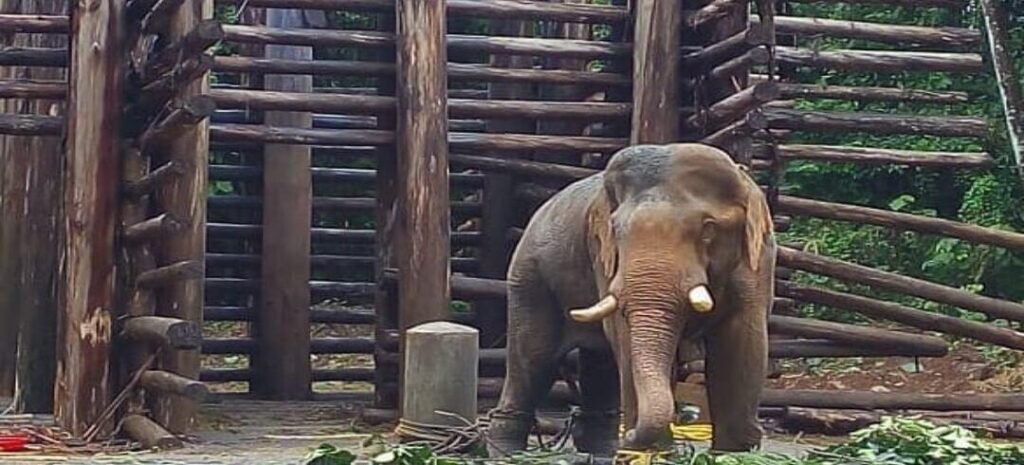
(865, 400)
(735, 106)
(456, 71)
(945, 37)
(83, 385)
(341, 175)
(851, 272)
(185, 198)
(33, 89)
(866, 94)
(723, 137)
(423, 218)
(153, 229)
(714, 10)
(170, 383)
(158, 19)
(823, 348)
(928, 321)
(950, 4)
(843, 422)
(521, 167)
(182, 118)
(282, 364)
(719, 52)
(655, 72)
(354, 236)
(170, 275)
(876, 123)
(753, 57)
(149, 434)
(440, 373)
(203, 35)
(33, 56)
(163, 331)
(856, 335)
(158, 92)
(31, 125)
(1010, 94)
(152, 180)
(455, 42)
(881, 61)
(900, 221)
(291, 135)
(495, 9)
(37, 23)
(458, 108)
(875, 156)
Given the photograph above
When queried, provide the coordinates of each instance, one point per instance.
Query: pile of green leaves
(892, 441)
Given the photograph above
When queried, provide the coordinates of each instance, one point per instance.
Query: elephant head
(669, 231)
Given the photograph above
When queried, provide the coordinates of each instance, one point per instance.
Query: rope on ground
(442, 439)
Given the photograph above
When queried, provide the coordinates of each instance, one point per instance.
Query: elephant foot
(508, 432)
(596, 433)
(664, 441)
(745, 440)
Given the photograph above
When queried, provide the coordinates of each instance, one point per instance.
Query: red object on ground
(13, 443)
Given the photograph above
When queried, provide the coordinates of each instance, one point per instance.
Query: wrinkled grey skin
(656, 222)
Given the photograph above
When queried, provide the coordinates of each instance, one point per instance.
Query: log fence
(323, 205)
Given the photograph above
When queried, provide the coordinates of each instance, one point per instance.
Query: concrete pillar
(440, 373)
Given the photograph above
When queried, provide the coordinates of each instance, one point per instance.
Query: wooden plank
(656, 72)
(184, 197)
(31, 170)
(83, 386)
(282, 363)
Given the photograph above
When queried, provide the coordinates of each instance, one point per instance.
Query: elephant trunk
(653, 312)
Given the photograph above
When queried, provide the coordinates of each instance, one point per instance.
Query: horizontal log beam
(29, 89)
(163, 331)
(734, 106)
(891, 400)
(54, 24)
(152, 229)
(456, 71)
(851, 272)
(338, 175)
(227, 375)
(148, 433)
(167, 275)
(521, 167)
(491, 9)
(353, 236)
(857, 335)
(31, 125)
(880, 156)
(326, 203)
(951, 4)
(950, 37)
(714, 10)
(868, 94)
(152, 180)
(719, 52)
(876, 123)
(457, 108)
(318, 345)
(881, 61)
(167, 383)
(41, 57)
(929, 321)
(182, 118)
(900, 221)
(156, 94)
(205, 35)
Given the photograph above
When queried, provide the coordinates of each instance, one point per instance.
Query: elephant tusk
(700, 299)
(597, 312)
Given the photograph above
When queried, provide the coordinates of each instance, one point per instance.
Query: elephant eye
(707, 230)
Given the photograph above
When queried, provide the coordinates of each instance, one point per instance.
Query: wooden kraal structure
(320, 156)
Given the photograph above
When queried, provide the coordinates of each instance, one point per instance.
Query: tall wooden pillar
(656, 40)
(184, 198)
(282, 363)
(91, 182)
(424, 220)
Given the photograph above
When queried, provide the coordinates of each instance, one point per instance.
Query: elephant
(669, 245)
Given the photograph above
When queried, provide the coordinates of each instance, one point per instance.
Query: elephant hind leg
(597, 427)
(535, 329)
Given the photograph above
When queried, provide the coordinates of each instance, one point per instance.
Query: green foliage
(892, 441)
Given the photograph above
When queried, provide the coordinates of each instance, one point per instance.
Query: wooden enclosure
(260, 201)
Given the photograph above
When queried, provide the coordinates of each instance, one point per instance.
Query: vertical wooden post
(184, 198)
(655, 71)
(90, 213)
(424, 216)
(1009, 84)
(35, 287)
(282, 361)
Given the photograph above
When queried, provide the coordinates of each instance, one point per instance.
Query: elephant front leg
(535, 325)
(737, 359)
(597, 427)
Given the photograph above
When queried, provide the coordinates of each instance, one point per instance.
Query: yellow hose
(688, 432)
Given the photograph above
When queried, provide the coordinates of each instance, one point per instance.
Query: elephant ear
(600, 226)
(758, 224)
